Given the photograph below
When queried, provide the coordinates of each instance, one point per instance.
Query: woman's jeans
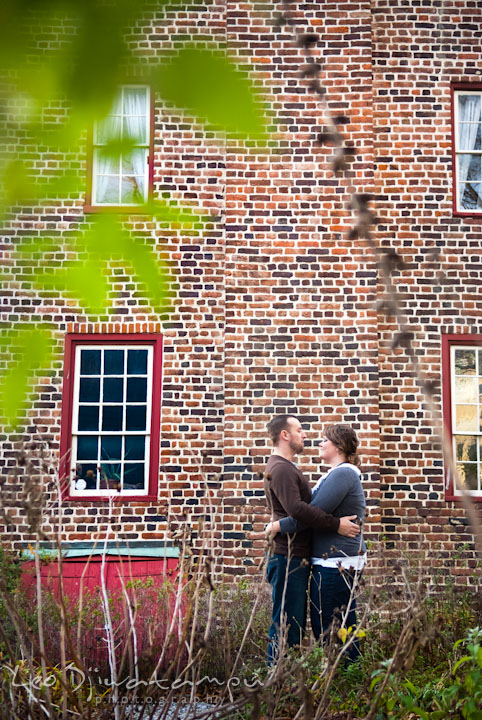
(330, 592)
(290, 603)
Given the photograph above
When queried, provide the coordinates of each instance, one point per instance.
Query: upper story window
(462, 360)
(110, 415)
(121, 153)
(467, 117)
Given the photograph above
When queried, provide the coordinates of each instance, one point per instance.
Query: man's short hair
(276, 425)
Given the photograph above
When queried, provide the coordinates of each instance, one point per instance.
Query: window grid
(468, 193)
(466, 365)
(144, 146)
(99, 432)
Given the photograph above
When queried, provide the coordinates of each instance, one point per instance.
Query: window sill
(105, 498)
(122, 209)
(452, 497)
(468, 214)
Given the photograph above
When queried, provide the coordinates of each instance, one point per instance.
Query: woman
(335, 559)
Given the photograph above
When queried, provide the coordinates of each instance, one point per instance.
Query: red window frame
(455, 87)
(126, 209)
(71, 342)
(448, 341)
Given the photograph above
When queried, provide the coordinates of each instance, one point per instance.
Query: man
(288, 493)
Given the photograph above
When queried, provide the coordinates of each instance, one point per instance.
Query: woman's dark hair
(346, 440)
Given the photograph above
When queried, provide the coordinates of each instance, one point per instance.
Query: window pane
(113, 390)
(469, 168)
(135, 447)
(107, 130)
(88, 417)
(90, 362)
(107, 190)
(87, 472)
(134, 476)
(466, 418)
(466, 448)
(135, 162)
(87, 447)
(137, 362)
(114, 362)
(89, 390)
(136, 389)
(112, 417)
(468, 475)
(135, 101)
(466, 390)
(135, 129)
(111, 447)
(465, 362)
(136, 417)
(105, 163)
(469, 108)
(132, 189)
(470, 196)
(469, 136)
(110, 475)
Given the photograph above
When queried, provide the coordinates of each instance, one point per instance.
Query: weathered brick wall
(301, 332)
(274, 308)
(189, 167)
(419, 50)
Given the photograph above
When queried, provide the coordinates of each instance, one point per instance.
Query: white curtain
(105, 166)
(469, 126)
(104, 182)
(136, 110)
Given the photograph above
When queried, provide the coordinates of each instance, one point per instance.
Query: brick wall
(274, 307)
(418, 51)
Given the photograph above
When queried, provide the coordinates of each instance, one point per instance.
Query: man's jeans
(290, 603)
(330, 592)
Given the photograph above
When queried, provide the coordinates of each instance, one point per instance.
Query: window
(122, 176)
(110, 415)
(467, 124)
(462, 369)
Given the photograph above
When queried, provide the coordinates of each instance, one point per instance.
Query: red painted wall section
(86, 573)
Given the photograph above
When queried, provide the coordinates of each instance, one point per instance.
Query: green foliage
(77, 70)
(26, 350)
(204, 82)
(233, 607)
(455, 694)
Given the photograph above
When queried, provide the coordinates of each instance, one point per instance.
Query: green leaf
(106, 240)
(172, 213)
(410, 686)
(24, 350)
(16, 184)
(375, 682)
(84, 280)
(205, 83)
(421, 713)
(460, 662)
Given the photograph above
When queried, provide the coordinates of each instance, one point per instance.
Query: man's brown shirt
(288, 493)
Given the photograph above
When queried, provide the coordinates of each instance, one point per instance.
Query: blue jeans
(293, 605)
(330, 592)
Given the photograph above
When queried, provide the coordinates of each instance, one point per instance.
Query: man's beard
(296, 447)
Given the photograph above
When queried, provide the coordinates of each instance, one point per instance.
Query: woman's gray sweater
(340, 493)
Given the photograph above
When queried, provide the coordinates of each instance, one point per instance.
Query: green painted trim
(136, 549)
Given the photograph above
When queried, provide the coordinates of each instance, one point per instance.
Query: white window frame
(145, 146)
(458, 151)
(75, 433)
(476, 433)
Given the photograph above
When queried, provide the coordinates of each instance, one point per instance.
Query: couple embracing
(318, 549)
